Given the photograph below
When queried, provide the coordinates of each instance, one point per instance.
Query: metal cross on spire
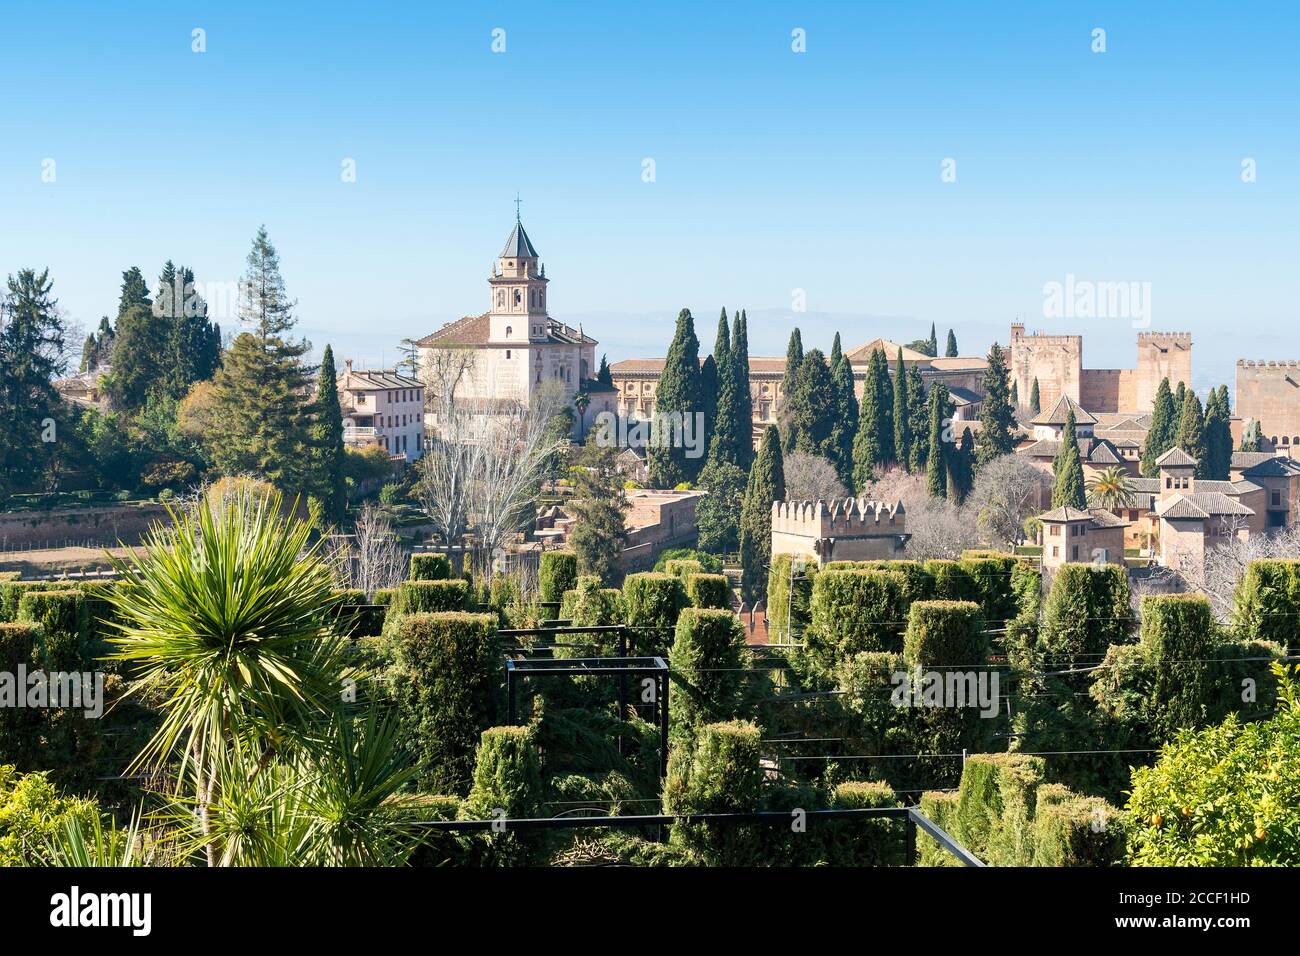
(517, 201)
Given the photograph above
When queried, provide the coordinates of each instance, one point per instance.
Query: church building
(518, 346)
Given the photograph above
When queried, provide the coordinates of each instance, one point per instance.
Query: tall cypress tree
(1035, 402)
(192, 347)
(744, 397)
(1251, 437)
(1218, 434)
(327, 452)
(766, 485)
(1180, 396)
(937, 467)
(997, 417)
(1067, 488)
(138, 356)
(814, 405)
(873, 443)
(961, 468)
(919, 410)
(1015, 395)
(1161, 433)
(709, 388)
(722, 447)
(951, 350)
(677, 400)
(259, 394)
(604, 375)
(1191, 432)
(845, 427)
(902, 417)
(933, 341)
(793, 359)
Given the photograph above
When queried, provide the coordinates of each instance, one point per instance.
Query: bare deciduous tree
(450, 461)
(1217, 574)
(939, 529)
(376, 559)
(811, 478)
(1007, 491)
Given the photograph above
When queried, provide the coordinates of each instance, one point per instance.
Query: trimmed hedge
(718, 773)
(1267, 605)
(446, 677)
(941, 807)
(11, 592)
(987, 781)
(918, 584)
(853, 611)
(652, 602)
(945, 634)
(507, 781)
(1086, 611)
(705, 661)
(1177, 638)
(787, 606)
(64, 619)
(683, 567)
(427, 597)
(864, 842)
(1072, 830)
(20, 645)
(557, 573)
(709, 590)
(430, 567)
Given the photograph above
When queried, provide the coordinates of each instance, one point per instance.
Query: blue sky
(775, 171)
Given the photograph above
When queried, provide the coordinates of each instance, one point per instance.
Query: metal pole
(663, 724)
(909, 841)
(510, 695)
(622, 688)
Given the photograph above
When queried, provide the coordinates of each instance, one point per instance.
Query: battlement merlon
(1157, 337)
(1268, 363)
(848, 517)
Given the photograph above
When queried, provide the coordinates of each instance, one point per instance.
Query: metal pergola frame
(517, 670)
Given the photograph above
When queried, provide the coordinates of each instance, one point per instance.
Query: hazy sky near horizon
(774, 171)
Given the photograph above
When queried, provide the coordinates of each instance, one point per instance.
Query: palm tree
(1111, 488)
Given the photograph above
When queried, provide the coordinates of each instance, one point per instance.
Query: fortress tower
(1269, 393)
(1161, 355)
(1055, 360)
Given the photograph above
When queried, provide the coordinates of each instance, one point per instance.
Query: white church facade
(518, 346)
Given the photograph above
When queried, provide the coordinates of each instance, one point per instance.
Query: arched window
(519, 297)
(509, 330)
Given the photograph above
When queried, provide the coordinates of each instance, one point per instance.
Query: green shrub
(445, 676)
(852, 611)
(951, 582)
(718, 773)
(1070, 830)
(711, 563)
(705, 661)
(20, 743)
(940, 806)
(652, 602)
(507, 784)
(863, 842)
(1087, 610)
(438, 847)
(918, 584)
(33, 813)
(1177, 639)
(64, 620)
(594, 606)
(11, 592)
(986, 782)
(789, 595)
(1228, 795)
(1267, 605)
(385, 596)
(683, 567)
(558, 573)
(945, 634)
(430, 567)
(427, 597)
(709, 590)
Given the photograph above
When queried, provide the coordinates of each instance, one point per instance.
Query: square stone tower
(1161, 355)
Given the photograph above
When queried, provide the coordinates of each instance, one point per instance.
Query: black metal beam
(941, 836)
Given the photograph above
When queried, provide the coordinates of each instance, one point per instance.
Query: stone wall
(1269, 393)
(77, 526)
(1161, 355)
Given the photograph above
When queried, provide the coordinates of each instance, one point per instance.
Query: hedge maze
(1011, 717)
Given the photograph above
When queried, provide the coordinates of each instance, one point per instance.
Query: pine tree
(937, 466)
(676, 400)
(717, 517)
(1161, 433)
(260, 394)
(813, 406)
(845, 427)
(766, 485)
(1067, 488)
(327, 455)
(1035, 402)
(934, 342)
(744, 397)
(31, 349)
(997, 417)
(1191, 432)
(919, 409)
(605, 376)
(951, 350)
(793, 359)
(902, 417)
(1218, 435)
(192, 347)
(138, 356)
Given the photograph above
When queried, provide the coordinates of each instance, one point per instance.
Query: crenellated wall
(1269, 393)
(851, 529)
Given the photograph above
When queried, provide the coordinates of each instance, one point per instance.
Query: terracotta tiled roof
(1176, 458)
(377, 380)
(862, 354)
(471, 330)
(957, 363)
(1057, 416)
